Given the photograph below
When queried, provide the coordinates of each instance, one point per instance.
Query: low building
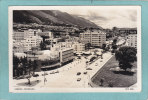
(18, 47)
(132, 40)
(66, 55)
(32, 57)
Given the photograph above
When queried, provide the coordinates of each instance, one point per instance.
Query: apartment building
(95, 37)
(31, 42)
(132, 40)
(24, 41)
(22, 34)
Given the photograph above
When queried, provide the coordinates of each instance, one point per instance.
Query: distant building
(46, 35)
(18, 47)
(31, 42)
(132, 40)
(78, 47)
(96, 38)
(22, 34)
(31, 56)
(18, 36)
(126, 31)
(24, 41)
(72, 39)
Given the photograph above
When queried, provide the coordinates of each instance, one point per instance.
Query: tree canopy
(126, 55)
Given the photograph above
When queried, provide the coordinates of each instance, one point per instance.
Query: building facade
(96, 38)
(66, 55)
(25, 40)
(78, 47)
(132, 40)
(31, 42)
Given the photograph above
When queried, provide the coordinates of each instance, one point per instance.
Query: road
(67, 75)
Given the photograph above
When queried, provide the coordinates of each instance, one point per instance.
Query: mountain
(50, 16)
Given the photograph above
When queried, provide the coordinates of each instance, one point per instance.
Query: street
(67, 77)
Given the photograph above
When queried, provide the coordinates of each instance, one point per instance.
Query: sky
(104, 16)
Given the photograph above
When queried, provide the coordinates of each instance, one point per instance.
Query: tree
(115, 41)
(87, 46)
(103, 46)
(114, 47)
(42, 45)
(16, 62)
(34, 65)
(114, 28)
(29, 66)
(126, 55)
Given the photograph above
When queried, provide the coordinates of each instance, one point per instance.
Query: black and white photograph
(74, 49)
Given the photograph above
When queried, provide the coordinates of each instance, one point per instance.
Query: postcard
(74, 49)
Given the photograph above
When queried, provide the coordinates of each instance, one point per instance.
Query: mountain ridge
(50, 16)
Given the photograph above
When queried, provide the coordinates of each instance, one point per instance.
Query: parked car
(79, 73)
(57, 71)
(85, 73)
(52, 72)
(79, 79)
(88, 69)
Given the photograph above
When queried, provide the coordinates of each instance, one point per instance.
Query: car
(57, 71)
(88, 69)
(96, 64)
(79, 73)
(52, 72)
(85, 73)
(45, 74)
(35, 75)
(79, 79)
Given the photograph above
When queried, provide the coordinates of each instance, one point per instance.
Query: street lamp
(44, 69)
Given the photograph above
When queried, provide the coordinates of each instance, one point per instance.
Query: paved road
(67, 75)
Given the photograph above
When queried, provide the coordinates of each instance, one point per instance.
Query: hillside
(50, 16)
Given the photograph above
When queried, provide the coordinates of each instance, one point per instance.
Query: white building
(31, 42)
(132, 40)
(24, 41)
(66, 55)
(96, 38)
(78, 47)
(65, 51)
(21, 35)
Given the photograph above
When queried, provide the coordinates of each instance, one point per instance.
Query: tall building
(96, 37)
(132, 40)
